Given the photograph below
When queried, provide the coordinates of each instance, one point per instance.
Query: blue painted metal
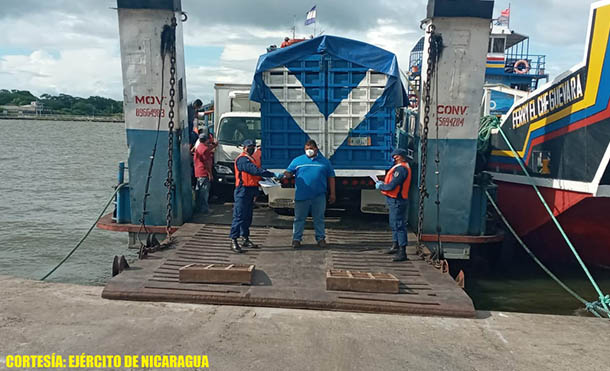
(140, 144)
(478, 210)
(458, 158)
(329, 68)
(122, 209)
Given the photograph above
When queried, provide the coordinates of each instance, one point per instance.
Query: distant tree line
(63, 103)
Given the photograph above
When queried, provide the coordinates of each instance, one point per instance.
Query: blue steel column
(464, 27)
(140, 26)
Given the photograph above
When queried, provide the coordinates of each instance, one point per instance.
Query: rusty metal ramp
(289, 278)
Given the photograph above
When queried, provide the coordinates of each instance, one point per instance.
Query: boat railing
(531, 65)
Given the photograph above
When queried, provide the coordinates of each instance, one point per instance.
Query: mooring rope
(603, 303)
(86, 234)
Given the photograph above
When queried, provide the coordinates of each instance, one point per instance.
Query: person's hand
(331, 199)
(378, 185)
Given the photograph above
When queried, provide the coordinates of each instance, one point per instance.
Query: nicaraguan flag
(311, 16)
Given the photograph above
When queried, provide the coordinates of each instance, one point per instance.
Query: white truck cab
(233, 129)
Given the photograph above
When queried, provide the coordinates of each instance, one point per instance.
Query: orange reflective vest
(402, 189)
(257, 155)
(244, 178)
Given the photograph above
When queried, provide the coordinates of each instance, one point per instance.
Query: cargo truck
(236, 118)
(342, 93)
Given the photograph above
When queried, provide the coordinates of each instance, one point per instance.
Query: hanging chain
(423, 191)
(437, 256)
(169, 182)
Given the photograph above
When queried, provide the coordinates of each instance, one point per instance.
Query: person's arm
(331, 184)
(330, 173)
(208, 167)
(244, 164)
(290, 170)
(400, 175)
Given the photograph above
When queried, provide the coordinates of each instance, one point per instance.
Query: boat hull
(583, 217)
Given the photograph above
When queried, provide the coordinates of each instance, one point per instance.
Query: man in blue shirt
(314, 175)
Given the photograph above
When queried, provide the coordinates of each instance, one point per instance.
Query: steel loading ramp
(289, 278)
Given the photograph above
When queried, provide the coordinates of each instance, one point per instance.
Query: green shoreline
(65, 118)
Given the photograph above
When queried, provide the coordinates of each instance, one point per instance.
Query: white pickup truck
(236, 118)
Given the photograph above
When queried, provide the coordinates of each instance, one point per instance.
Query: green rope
(604, 300)
(591, 306)
(86, 234)
(488, 123)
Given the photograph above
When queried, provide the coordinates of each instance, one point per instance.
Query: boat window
(234, 130)
(498, 45)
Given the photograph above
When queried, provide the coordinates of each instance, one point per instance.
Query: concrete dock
(45, 318)
(289, 278)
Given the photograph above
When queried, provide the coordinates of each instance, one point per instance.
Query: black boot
(402, 254)
(393, 249)
(235, 246)
(249, 244)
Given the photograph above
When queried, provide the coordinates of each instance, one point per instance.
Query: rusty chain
(423, 191)
(169, 182)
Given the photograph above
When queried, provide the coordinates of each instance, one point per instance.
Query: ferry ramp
(289, 278)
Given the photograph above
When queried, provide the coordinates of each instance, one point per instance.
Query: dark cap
(248, 143)
(400, 152)
(203, 137)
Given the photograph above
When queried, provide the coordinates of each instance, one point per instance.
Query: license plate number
(359, 141)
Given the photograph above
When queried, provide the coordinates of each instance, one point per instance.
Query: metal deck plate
(289, 278)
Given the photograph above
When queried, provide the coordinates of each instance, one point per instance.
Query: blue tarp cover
(358, 52)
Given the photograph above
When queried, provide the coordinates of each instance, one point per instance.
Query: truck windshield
(234, 130)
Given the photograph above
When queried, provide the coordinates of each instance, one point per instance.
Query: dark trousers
(398, 219)
(242, 211)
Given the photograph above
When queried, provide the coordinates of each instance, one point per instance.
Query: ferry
(561, 132)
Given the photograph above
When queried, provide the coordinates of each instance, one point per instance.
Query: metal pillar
(456, 93)
(140, 26)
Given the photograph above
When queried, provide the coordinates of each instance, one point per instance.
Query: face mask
(250, 150)
(310, 152)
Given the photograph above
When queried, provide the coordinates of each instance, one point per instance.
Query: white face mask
(310, 152)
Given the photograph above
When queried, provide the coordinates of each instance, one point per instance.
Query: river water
(55, 176)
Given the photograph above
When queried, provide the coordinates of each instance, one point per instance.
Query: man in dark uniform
(248, 172)
(396, 189)
(191, 111)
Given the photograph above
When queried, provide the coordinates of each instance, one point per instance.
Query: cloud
(81, 72)
(73, 46)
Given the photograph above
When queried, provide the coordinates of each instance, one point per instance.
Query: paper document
(267, 184)
(374, 177)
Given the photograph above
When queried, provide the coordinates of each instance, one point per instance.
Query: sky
(72, 46)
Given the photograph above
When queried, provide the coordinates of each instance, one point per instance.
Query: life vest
(402, 189)
(257, 155)
(244, 178)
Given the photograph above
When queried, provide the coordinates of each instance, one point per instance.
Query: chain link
(423, 191)
(169, 182)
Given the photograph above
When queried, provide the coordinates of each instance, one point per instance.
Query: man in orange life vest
(248, 172)
(396, 189)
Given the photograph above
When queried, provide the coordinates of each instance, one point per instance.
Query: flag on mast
(504, 18)
(311, 16)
